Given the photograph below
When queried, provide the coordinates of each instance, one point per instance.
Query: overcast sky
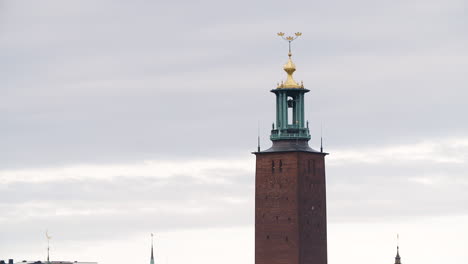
(123, 118)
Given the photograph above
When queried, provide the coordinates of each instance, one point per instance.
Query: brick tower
(290, 199)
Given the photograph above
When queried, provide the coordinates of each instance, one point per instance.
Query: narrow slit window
(273, 166)
(280, 165)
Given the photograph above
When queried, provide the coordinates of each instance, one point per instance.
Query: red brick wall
(290, 208)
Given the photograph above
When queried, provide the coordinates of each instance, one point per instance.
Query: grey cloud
(383, 191)
(134, 84)
(96, 208)
(121, 189)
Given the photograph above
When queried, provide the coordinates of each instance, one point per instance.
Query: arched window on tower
(291, 109)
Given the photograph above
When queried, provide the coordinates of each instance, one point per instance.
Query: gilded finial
(290, 67)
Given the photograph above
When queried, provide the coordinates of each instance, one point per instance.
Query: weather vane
(290, 39)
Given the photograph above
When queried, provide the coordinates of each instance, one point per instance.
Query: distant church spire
(397, 258)
(152, 255)
(48, 245)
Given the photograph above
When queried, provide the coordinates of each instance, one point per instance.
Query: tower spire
(290, 121)
(152, 255)
(290, 67)
(397, 258)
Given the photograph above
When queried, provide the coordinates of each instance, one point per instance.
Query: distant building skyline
(11, 261)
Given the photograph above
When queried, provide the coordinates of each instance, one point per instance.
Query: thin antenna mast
(48, 245)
